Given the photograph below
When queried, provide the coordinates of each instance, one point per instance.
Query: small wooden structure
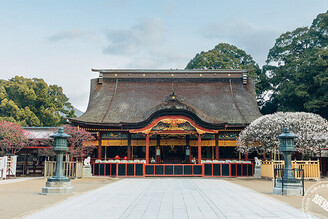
(30, 160)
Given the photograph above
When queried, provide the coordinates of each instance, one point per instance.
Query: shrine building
(169, 122)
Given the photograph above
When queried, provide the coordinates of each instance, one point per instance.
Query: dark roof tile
(214, 101)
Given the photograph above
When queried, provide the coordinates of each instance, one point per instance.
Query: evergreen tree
(297, 70)
(31, 102)
(226, 56)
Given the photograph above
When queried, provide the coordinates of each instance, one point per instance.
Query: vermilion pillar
(246, 155)
(99, 146)
(217, 156)
(246, 152)
(147, 149)
(199, 149)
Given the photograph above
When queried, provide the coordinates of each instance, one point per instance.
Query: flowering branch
(262, 133)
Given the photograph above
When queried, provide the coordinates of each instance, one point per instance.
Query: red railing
(119, 169)
(142, 170)
(228, 169)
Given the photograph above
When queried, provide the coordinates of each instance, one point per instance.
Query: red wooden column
(199, 149)
(99, 145)
(246, 155)
(246, 152)
(147, 149)
(129, 146)
(217, 156)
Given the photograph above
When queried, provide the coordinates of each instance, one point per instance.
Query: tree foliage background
(31, 102)
(226, 56)
(223, 56)
(297, 69)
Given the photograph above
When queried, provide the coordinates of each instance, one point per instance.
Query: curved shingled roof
(218, 99)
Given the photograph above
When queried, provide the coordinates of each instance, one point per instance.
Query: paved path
(170, 198)
(18, 179)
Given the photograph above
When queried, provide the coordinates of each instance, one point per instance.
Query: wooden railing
(72, 169)
(311, 168)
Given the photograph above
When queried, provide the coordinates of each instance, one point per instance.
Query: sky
(60, 41)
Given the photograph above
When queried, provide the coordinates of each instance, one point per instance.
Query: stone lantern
(59, 183)
(291, 185)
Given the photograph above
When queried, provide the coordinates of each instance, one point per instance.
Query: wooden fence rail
(311, 168)
(72, 169)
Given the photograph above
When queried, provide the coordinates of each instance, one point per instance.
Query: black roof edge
(155, 115)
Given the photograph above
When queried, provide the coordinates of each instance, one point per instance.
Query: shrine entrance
(173, 154)
(172, 142)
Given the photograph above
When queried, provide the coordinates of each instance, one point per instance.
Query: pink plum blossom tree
(13, 138)
(75, 143)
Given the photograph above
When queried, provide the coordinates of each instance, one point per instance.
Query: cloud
(146, 35)
(255, 40)
(67, 35)
(159, 59)
(144, 45)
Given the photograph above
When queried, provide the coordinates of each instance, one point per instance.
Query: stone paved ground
(171, 198)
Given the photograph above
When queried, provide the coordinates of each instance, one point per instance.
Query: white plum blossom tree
(261, 135)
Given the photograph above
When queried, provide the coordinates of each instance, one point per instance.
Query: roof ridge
(104, 70)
